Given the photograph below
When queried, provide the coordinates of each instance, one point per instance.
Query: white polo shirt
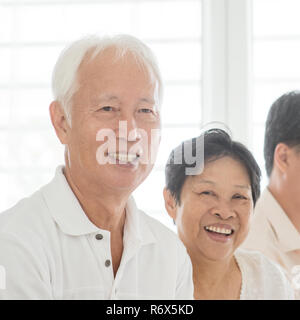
(51, 250)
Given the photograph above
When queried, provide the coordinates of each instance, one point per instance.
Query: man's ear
(281, 157)
(59, 121)
(170, 204)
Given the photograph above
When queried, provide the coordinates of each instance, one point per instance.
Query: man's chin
(124, 185)
(121, 176)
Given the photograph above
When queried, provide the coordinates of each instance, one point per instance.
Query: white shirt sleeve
(289, 291)
(26, 276)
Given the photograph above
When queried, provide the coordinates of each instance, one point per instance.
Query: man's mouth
(226, 231)
(124, 157)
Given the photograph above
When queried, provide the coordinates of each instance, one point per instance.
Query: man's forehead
(95, 55)
(106, 70)
(108, 57)
(90, 62)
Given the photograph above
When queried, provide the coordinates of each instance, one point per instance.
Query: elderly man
(276, 222)
(81, 236)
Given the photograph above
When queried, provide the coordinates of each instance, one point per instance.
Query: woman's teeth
(219, 230)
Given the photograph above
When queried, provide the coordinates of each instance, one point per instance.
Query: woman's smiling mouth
(218, 232)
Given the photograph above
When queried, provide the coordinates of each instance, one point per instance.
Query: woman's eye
(239, 196)
(209, 193)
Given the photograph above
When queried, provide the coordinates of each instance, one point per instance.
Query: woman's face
(214, 212)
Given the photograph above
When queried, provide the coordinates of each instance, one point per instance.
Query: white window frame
(227, 65)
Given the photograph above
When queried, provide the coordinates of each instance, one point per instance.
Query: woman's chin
(217, 252)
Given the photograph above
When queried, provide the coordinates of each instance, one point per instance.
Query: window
(221, 60)
(276, 67)
(32, 34)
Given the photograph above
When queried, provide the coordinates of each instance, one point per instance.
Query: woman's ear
(170, 204)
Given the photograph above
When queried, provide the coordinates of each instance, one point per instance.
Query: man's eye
(106, 108)
(146, 110)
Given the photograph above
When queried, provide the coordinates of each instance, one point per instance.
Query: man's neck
(289, 204)
(103, 208)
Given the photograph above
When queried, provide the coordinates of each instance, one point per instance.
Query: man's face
(111, 91)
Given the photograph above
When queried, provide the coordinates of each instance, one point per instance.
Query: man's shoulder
(159, 230)
(156, 226)
(167, 242)
(261, 233)
(266, 208)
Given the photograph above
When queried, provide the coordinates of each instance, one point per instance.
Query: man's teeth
(219, 230)
(123, 157)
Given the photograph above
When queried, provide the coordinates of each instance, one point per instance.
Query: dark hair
(217, 144)
(282, 125)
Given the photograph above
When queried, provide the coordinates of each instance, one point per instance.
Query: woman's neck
(216, 279)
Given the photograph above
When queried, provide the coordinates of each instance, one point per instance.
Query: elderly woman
(212, 209)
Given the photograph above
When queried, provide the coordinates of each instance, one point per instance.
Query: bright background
(221, 60)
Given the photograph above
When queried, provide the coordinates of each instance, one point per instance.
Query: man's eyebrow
(147, 100)
(110, 97)
(107, 97)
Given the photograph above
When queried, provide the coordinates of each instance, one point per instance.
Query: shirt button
(99, 236)
(107, 263)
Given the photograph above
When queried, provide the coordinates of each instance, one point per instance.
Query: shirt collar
(287, 235)
(72, 220)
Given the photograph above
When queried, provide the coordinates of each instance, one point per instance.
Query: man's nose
(128, 129)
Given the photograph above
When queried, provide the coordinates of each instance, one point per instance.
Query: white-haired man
(81, 236)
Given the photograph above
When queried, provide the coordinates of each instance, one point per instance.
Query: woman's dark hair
(217, 144)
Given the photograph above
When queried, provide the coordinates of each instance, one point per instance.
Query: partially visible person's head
(212, 209)
(107, 103)
(282, 150)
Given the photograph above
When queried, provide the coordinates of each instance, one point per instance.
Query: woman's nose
(224, 213)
